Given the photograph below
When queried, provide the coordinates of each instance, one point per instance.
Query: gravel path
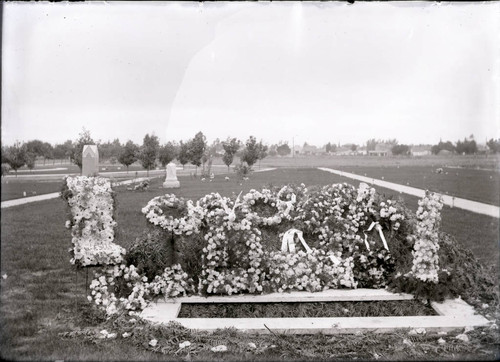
(27, 200)
(469, 205)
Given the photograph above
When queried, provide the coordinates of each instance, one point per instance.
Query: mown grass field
(44, 314)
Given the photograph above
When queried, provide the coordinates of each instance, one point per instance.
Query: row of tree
(195, 151)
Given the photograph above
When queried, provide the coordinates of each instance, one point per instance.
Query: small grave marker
(90, 160)
(171, 180)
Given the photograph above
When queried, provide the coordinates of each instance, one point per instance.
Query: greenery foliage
(149, 151)
(129, 154)
(75, 153)
(167, 153)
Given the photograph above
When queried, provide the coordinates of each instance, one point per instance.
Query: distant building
(421, 150)
(381, 149)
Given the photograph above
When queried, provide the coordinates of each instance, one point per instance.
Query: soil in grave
(306, 310)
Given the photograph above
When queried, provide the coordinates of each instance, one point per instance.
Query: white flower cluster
(233, 253)
(172, 283)
(313, 271)
(425, 254)
(172, 214)
(262, 207)
(390, 212)
(92, 224)
(335, 215)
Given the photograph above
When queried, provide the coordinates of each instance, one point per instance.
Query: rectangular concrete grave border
(452, 314)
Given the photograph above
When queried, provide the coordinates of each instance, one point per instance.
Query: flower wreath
(171, 214)
(261, 208)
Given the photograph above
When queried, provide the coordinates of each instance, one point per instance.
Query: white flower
(462, 337)
(111, 335)
(4, 276)
(441, 341)
(153, 342)
(126, 335)
(219, 348)
(184, 344)
(252, 345)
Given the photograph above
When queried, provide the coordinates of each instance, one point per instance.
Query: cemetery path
(54, 195)
(469, 205)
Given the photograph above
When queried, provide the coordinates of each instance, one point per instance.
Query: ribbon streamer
(231, 212)
(288, 241)
(378, 227)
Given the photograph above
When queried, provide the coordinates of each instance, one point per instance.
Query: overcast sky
(312, 72)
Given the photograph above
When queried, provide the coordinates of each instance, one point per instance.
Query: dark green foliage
(283, 149)
(231, 146)
(149, 151)
(494, 145)
(152, 252)
(75, 153)
(183, 155)
(197, 148)
(251, 152)
(129, 154)
(167, 153)
(15, 156)
(306, 310)
(400, 150)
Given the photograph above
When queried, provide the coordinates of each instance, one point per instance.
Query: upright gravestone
(90, 160)
(171, 180)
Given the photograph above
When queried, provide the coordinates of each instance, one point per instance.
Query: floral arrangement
(134, 288)
(232, 245)
(425, 257)
(92, 223)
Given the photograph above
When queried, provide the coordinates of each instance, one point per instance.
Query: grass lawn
(472, 184)
(44, 314)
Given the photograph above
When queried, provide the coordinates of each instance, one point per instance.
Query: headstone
(171, 180)
(90, 160)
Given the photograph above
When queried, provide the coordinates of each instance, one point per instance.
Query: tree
(129, 154)
(183, 155)
(283, 149)
(16, 156)
(400, 150)
(448, 146)
(251, 151)
(62, 151)
(230, 146)
(467, 146)
(75, 153)
(149, 151)
(30, 160)
(354, 147)
(272, 150)
(494, 145)
(167, 153)
(196, 149)
(262, 151)
(371, 144)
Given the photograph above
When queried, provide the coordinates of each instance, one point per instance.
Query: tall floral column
(425, 254)
(92, 224)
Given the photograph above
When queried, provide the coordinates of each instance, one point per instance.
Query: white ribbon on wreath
(377, 227)
(288, 241)
(231, 212)
(289, 204)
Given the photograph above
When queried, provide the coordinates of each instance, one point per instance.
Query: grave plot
(452, 314)
(287, 244)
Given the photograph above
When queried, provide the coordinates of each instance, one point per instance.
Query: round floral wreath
(171, 214)
(253, 203)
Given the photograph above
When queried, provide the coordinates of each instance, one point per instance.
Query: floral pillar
(92, 224)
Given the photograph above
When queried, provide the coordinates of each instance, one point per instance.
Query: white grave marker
(171, 180)
(90, 160)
